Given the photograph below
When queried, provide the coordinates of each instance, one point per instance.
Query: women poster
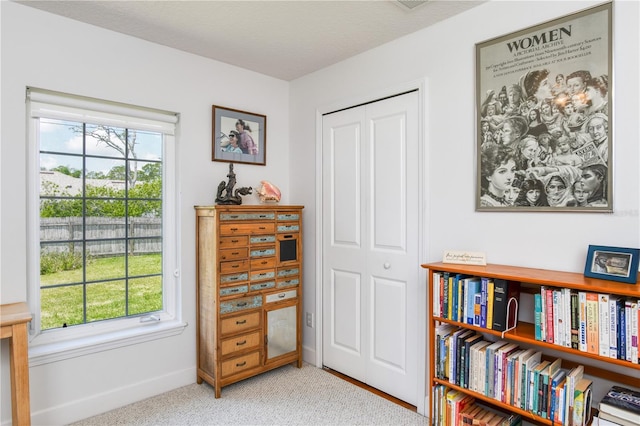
(544, 116)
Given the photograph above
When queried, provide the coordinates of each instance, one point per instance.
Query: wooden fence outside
(105, 236)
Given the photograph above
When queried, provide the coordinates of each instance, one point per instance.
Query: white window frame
(57, 344)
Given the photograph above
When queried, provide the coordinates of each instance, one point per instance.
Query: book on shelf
(500, 369)
(557, 317)
(593, 336)
(575, 319)
(574, 375)
(622, 337)
(446, 294)
(614, 324)
(557, 381)
(472, 288)
(490, 295)
(582, 314)
(506, 295)
(530, 358)
(483, 301)
(436, 296)
(537, 318)
(535, 386)
(490, 366)
(582, 402)
(476, 366)
(547, 383)
(548, 314)
(622, 402)
(566, 297)
(634, 330)
(465, 358)
(603, 324)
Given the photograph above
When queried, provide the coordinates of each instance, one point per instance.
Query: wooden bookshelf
(531, 280)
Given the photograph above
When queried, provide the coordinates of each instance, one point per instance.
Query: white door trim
(423, 217)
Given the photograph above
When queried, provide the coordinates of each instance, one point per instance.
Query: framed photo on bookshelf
(612, 263)
(544, 117)
(239, 136)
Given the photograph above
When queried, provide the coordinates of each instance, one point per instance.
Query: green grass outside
(105, 300)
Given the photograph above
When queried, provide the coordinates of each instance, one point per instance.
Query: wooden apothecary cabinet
(249, 291)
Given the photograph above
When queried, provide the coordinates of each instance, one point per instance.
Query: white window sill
(45, 353)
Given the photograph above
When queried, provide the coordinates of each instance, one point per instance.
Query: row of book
(454, 408)
(512, 375)
(484, 302)
(604, 324)
(621, 406)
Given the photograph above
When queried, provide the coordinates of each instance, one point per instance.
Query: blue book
(622, 336)
(483, 302)
(472, 287)
(557, 379)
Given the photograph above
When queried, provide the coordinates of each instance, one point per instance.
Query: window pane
(105, 141)
(146, 264)
(60, 136)
(148, 146)
(109, 212)
(107, 260)
(105, 177)
(145, 295)
(61, 306)
(60, 175)
(61, 263)
(106, 300)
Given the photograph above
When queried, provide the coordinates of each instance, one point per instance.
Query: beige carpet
(285, 396)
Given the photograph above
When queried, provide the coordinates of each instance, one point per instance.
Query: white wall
(444, 54)
(47, 51)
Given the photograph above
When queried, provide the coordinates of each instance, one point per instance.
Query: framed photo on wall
(612, 263)
(544, 116)
(239, 136)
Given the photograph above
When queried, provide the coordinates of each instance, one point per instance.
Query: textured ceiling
(285, 39)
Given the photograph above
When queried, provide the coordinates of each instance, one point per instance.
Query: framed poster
(239, 136)
(544, 133)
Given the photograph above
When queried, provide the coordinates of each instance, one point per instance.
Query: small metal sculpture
(231, 197)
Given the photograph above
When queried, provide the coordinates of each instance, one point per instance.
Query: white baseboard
(115, 398)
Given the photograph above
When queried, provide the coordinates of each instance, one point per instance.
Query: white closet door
(370, 244)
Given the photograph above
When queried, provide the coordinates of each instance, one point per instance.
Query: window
(105, 264)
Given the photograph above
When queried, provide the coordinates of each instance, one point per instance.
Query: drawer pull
(236, 253)
(242, 364)
(234, 241)
(244, 342)
(281, 295)
(235, 266)
(264, 262)
(240, 305)
(234, 229)
(234, 216)
(262, 227)
(235, 290)
(244, 321)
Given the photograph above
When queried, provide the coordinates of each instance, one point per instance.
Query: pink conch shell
(268, 192)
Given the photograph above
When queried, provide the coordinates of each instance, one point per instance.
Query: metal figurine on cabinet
(231, 197)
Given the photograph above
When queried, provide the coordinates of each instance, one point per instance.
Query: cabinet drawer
(288, 227)
(240, 323)
(235, 216)
(262, 275)
(247, 228)
(288, 216)
(290, 282)
(263, 285)
(287, 272)
(236, 241)
(234, 278)
(266, 262)
(240, 343)
(240, 304)
(236, 365)
(231, 267)
(234, 253)
(284, 295)
(262, 239)
(230, 291)
(262, 252)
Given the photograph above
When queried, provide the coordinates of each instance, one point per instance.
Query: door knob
(387, 265)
